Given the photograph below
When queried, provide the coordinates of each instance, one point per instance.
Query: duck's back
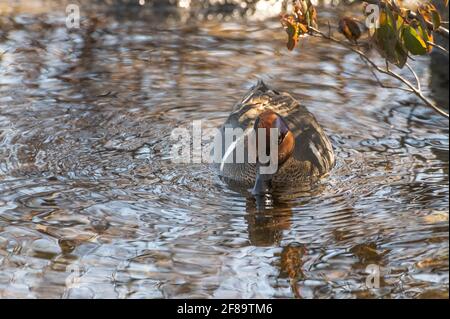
(313, 155)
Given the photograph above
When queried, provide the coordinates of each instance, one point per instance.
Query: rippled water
(92, 206)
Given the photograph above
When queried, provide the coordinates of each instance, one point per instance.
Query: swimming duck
(304, 152)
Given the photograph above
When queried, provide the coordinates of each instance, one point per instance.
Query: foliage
(401, 32)
(298, 24)
(397, 34)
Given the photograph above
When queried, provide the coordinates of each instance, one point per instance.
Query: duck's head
(267, 121)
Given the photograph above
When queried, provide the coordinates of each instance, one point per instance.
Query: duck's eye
(280, 138)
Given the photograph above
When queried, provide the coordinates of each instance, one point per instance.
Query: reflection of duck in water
(304, 151)
(265, 229)
(265, 225)
(268, 218)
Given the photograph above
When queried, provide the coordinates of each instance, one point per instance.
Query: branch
(411, 88)
(419, 86)
(437, 46)
(385, 86)
(412, 15)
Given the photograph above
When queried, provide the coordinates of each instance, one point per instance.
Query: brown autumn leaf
(292, 28)
(305, 13)
(425, 33)
(350, 29)
(312, 16)
(430, 14)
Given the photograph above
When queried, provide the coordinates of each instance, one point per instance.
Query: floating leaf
(413, 41)
(350, 29)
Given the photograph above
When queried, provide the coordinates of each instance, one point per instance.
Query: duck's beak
(262, 184)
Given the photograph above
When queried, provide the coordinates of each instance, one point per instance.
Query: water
(92, 206)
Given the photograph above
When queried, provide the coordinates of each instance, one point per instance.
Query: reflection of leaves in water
(367, 253)
(433, 294)
(291, 260)
(437, 262)
(68, 245)
(436, 217)
(291, 265)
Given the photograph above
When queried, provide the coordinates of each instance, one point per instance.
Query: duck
(303, 151)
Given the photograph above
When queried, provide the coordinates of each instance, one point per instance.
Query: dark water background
(92, 206)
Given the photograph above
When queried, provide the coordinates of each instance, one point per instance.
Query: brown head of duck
(270, 125)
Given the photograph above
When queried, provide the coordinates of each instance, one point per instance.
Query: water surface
(92, 206)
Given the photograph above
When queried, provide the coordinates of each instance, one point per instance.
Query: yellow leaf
(413, 41)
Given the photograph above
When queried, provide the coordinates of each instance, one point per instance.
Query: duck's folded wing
(311, 142)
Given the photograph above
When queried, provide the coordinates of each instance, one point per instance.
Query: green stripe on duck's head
(267, 121)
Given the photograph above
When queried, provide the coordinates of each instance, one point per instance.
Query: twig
(385, 86)
(419, 86)
(440, 47)
(416, 90)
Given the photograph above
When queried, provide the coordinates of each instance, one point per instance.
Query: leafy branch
(397, 35)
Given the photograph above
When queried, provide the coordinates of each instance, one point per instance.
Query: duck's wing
(257, 100)
(254, 93)
(311, 142)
